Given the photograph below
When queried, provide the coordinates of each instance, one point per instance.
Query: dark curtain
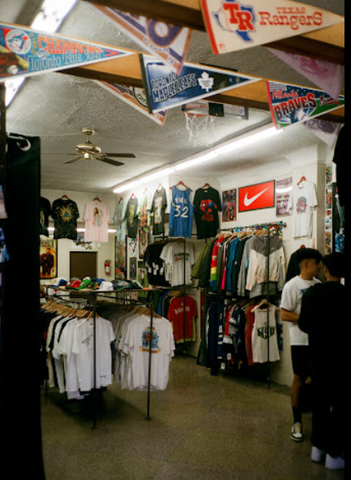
(20, 427)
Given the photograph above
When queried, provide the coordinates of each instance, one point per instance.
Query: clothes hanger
(302, 179)
(64, 197)
(97, 199)
(207, 185)
(182, 184)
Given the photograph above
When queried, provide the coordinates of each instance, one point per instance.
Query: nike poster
(255, 197)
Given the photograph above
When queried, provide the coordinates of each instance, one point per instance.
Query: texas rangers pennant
(234, 25)
(26, 52)
(169, 43)
(136, 98)
(165, 89)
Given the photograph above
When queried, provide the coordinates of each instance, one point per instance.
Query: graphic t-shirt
(158, 207)
(144, 208)
(301, 203)
(131, 215)
(120, 222)
(45, 212)
(291, 301)
(173, 257)
(65, 214)
(96, 217)
(181, 321)
(137, 345)
(207, 204)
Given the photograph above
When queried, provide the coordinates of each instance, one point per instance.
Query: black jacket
(324, 316)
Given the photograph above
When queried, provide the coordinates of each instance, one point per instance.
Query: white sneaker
(317, 455)
(334, 463)
(296, 432)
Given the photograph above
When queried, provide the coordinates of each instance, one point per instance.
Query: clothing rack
(183, 287)
(114, 296)
(257, 227)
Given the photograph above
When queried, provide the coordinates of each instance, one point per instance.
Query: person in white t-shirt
(309, 261)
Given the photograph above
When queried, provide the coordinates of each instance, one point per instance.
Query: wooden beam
(325, 44)
(127, 71)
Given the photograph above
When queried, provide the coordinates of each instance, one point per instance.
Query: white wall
(105, 251)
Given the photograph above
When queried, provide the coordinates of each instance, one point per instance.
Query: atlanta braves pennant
(26, 52)
(235, 25)
(165, 89)
(290, 104)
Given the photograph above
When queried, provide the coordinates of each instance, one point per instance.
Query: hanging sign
(26, 52)
(169, 43)
(234, 25)
(136, 98)
(256, 197)
(165, 89)
(290, 104)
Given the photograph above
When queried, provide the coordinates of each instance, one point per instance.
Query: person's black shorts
(301, 363)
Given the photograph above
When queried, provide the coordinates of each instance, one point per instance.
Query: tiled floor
(201, 427)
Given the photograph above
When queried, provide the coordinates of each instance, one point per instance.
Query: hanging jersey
(262, 333)
(181, 213)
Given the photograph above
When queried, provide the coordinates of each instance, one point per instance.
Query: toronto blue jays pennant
(290, 104)
(235, 25)
(164, 89)
(26, 52)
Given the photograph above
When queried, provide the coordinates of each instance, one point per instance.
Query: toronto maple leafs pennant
(235, 25)
(164, 89)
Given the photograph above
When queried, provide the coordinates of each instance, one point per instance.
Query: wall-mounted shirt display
(131, 215)
(302, 200)
(65, 214)
(96, 217)
(144, 207)
(45, 212)
(207, 204)
(181, 214)
(158, 207)
(119, 220)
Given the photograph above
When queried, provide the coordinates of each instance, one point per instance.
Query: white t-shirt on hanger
(83, 348)
(302, 201)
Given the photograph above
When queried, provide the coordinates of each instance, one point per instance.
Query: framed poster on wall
(257, 197)
(48, 258)
(283, 188)
(229, 205)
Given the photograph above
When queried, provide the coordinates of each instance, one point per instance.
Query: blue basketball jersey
(181, 213)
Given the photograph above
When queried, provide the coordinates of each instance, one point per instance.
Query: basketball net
(200, 128)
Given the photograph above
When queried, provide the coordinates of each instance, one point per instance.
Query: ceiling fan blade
(121, 155)
(74, 160)
(105, 159)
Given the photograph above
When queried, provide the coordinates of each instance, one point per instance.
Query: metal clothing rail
(115, 295)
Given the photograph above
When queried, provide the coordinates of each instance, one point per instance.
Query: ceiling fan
(88, 151)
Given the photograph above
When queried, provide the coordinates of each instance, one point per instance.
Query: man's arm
(287, 316)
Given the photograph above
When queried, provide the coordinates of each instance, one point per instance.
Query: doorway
(83, 264)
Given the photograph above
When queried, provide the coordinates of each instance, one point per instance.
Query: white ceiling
(56, 107)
